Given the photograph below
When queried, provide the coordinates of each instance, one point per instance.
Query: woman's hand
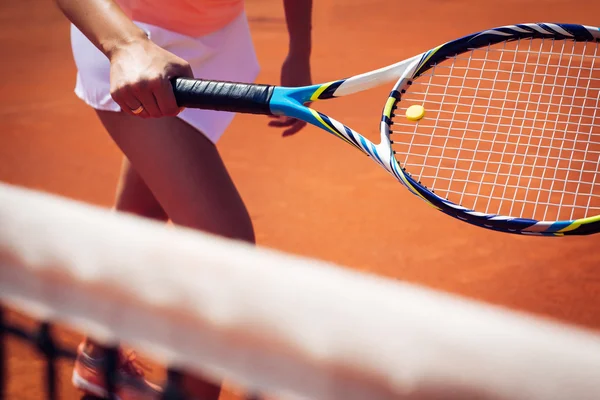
(140, 74)
(295, 71)
(140, 71)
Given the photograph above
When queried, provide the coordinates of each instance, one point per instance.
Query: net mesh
(510, 129)
(42, 338)
(273, 323)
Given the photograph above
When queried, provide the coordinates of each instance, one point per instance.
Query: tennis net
(274, 323)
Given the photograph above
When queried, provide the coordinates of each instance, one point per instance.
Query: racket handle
(223, 96)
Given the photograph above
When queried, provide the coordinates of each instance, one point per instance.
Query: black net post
(173, 389)
(3, 376)
(110, 371)
(45, 344)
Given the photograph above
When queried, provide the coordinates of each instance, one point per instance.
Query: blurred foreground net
(281, 325)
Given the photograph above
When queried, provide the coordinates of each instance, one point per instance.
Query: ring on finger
(138, 110)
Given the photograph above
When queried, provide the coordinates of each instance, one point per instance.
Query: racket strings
(510, 129)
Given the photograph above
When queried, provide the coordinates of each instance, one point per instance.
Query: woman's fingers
(165, 99)
(128, 102)
(143, 91)
(294, 125)
(140, 80)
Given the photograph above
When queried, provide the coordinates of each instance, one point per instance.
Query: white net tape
(273, 321)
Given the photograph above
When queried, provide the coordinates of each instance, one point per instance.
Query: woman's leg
(172, 169)
(135, 197)
(184, 172)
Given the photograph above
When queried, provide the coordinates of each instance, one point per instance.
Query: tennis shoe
(88, 376)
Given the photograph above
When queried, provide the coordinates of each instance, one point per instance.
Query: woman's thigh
(184, 172)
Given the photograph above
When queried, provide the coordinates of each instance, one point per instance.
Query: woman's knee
(135, 197)
(232, 222)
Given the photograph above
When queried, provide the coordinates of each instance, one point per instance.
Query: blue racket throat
(496, 129)
(291, 101)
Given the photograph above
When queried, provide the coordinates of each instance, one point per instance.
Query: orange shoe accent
(130, 383)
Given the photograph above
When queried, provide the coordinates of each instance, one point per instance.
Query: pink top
(189, 17)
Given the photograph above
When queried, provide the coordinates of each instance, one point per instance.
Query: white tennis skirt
(227, 54)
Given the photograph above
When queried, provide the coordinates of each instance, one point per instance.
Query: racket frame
(293, 101)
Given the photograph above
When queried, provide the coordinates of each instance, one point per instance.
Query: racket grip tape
(223, 96)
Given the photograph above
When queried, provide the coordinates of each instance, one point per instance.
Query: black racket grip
(244, 98)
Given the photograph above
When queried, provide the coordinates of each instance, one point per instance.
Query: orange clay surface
(309, 194)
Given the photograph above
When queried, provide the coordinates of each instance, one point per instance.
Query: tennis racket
(510, 137)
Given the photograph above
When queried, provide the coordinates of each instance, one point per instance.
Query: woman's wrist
(112, 46)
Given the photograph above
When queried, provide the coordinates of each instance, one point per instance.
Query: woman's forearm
(298, 15)
(103, 22)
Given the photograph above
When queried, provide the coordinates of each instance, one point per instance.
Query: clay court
(308, 194)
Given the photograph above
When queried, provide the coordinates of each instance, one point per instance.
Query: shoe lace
(131, 365)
